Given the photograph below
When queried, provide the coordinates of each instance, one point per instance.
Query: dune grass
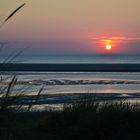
(109, 121)
(12, 14)
(78, 121)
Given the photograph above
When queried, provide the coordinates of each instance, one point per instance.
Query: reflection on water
(108, 89)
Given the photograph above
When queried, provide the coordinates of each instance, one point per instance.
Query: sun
(108, 47)
(108, 44)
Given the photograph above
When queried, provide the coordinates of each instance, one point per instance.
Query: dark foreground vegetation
(80, 121)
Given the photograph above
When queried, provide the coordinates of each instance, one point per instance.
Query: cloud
(116, 39)
(133, 39)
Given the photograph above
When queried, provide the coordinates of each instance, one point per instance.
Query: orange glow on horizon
(108, 44)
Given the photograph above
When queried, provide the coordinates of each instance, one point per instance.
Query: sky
(73, 26)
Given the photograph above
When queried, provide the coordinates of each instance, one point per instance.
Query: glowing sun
(108, 47)
(108, 44)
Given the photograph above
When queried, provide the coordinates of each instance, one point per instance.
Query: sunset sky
(73, 26)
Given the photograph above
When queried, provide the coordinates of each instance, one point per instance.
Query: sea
(64, 87)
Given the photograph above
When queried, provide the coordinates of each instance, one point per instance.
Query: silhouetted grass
(11, 111)
(107, 121)
(12, 14)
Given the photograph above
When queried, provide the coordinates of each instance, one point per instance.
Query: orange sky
(73, 25)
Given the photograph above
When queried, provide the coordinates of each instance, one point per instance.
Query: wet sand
(74, 97)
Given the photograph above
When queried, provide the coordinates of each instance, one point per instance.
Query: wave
(76, 82)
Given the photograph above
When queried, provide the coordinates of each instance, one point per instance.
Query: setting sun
(108, 47)
(108, 44)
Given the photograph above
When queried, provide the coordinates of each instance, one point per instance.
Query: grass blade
(14, 12)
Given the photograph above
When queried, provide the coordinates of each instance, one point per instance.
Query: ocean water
(103, 59)
(123, 85)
